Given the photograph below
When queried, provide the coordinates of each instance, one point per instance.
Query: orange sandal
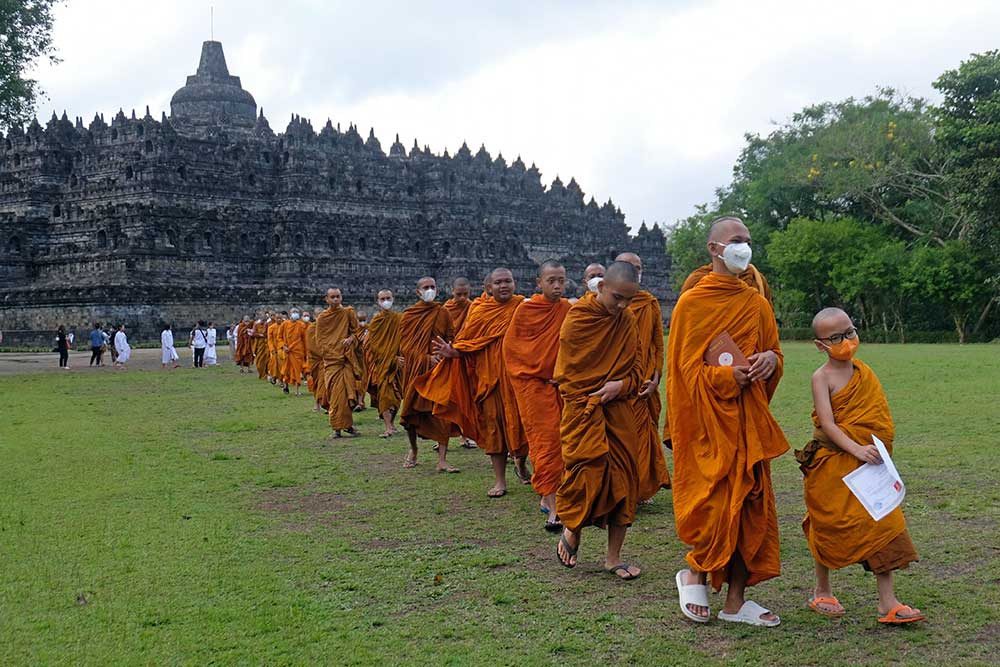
(815, 603)
(893, 617)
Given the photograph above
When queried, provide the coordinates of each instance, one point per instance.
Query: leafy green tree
(25, 37)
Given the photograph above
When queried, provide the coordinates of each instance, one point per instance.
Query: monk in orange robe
(471, 388)
(598, 373)
(316, 384)
(336, 343)
(458, 305)
(422, 323)
(364, 382)
(752, 277)
(260, 353)
(273, 365)
(850, 408)
(529, 348)
(293, 337)
(385, 362)
(724, 435)
(653, 474)
(244, 345)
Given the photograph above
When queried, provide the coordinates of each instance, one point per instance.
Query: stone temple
(209, 214)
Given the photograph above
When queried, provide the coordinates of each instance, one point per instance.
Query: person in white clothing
(211, 357)
(168, 354)
(122, 347)
(199, 341)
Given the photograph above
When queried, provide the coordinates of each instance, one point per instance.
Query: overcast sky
(645, 102)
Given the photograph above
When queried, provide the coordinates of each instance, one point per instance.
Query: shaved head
(631, 258)
(501, 282)
(723, 229)
(547, 264)
(461, 282)
(334, 298)
(551, 281)
(427, 282)
(829, 321)
(618, 287)
(461, 289)
(592, 270)
(384, 294)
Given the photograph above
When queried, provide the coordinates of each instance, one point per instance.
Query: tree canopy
(25, 37)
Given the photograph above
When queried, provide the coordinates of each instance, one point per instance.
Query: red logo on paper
(897, 486)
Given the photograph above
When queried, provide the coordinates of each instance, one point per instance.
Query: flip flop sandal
(893, 617)
(385, 435)
(815, 603)
(693, 594)
(409, 463)
(490, 494)
(520, 477)
(553, 526)
(469, 444)
(543, 509)
(623, 567)
(449, 469)
(569, 550)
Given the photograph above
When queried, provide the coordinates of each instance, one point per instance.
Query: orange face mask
(845, 349)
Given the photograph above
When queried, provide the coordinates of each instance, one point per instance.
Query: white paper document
(879, 488)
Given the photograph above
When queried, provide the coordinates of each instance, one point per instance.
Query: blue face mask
(295, 316)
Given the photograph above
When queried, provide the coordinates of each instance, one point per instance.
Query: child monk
(849, 408)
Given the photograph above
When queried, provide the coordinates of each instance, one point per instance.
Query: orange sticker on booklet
(723, 351)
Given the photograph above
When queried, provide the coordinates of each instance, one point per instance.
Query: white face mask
(736, 256)
(295, 316)
(638, 277)
(593, 282)
(306, 318)
(428, 295)
(385, 303)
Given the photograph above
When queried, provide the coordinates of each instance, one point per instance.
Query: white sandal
(693, 594)
(750, 613)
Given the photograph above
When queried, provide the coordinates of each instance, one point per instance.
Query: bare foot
(691, 579)
(444, 467)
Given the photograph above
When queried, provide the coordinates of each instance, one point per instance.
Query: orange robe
(840, 531)
(649, 459)
(473, 391)
(244, 345)
(724, 437)
(293, 333)
(457, 311)
(279, 350)
(340, 363)
(600, 485)
(383, 349)
(751, 277)
(364, 368)
(316, 384)
(273, 369)
(529, 351)
(420, 324)
(261, 354)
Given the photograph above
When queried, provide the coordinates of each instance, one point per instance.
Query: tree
(25, 37)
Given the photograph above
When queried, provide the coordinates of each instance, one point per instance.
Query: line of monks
(573, 385)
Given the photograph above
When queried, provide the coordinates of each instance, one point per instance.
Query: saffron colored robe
(473, 391)
(273, 367)
(751, 277)
(599, 441)
(244, 344)
(382, 346)
(293, 332)
(840, 531)
(261, 354)
(422, 323)
(649, 459)
(316, 383)
(341, 371)
(724, 437)
(458, 312)
(530, 347)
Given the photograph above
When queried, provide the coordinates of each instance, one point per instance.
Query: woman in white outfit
(211, 357)
(168, 354)
(122, 347)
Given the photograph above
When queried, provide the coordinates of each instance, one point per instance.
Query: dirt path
(15, 363)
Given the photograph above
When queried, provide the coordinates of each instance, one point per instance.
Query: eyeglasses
(837, 339)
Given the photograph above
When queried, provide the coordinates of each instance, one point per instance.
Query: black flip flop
(624, 566)
(499, 495)
(553, 526)
(569, 550)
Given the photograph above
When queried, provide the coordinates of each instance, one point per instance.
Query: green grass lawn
(203, 518)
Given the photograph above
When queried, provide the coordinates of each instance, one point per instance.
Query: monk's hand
(650, 386)
(435, 359)
(443, 349)
(400, 361)
(609, 391)
(867, 454)
(762, 365)
(742, 376)
(348, 341)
